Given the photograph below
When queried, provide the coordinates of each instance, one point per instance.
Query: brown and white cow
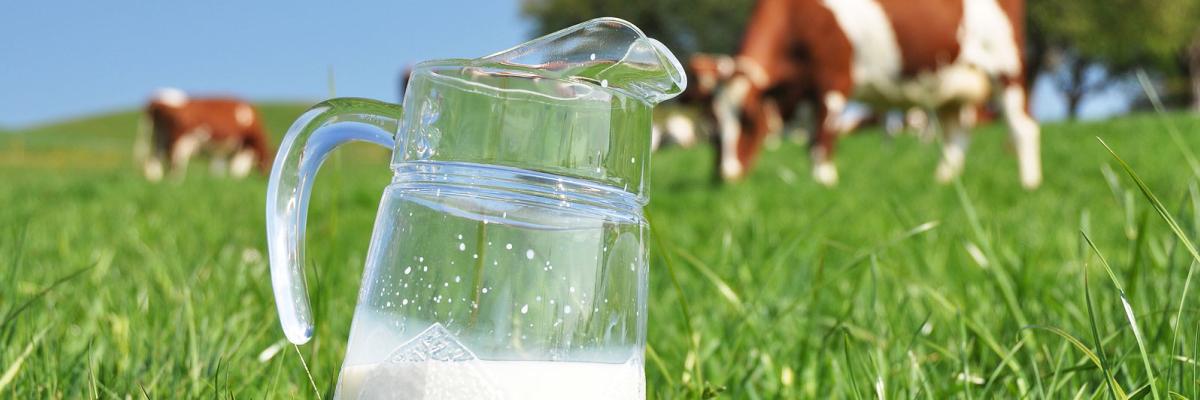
(177, 127)
(948, 56)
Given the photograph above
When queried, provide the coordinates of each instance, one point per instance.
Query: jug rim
(492, 63)
(509, 70)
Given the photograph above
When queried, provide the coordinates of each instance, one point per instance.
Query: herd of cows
(949, 59)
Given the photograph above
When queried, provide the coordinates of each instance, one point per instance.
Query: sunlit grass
(886, 286)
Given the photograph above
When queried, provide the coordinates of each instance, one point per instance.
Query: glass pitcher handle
(306, 144)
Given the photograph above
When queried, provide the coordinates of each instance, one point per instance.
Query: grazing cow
(228, 130)
(948, 56)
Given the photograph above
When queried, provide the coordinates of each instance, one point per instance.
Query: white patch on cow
(916, 118)
(751, 69)
(681, 129)
(153, 169)
(655, 136)
(187, 146)
(876, 52)
(835, 105)
(824, 171)
(986, 39)
(725, 66)
(241, 163)
(244, 115)
(1026, 136)
(170, 97)
(727, 107)
(957, 127)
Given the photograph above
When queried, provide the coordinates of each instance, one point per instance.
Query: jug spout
(609, 52)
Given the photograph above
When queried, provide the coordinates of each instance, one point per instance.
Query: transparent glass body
(508, 258)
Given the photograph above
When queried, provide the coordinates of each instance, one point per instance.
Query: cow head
(742, 119)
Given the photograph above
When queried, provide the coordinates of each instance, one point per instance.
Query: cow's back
(926, 52)
(926, 32)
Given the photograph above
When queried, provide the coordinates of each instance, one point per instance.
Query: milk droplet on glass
(529, 254)
(525, 309)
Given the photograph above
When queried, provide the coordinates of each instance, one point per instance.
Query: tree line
(1081, 46)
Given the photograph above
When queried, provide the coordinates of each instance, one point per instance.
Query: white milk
(484, 380)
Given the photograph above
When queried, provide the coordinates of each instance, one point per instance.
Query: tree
(685, 26)
(1115, 36)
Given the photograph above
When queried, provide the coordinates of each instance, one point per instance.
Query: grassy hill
(886, 286)
(104, 141)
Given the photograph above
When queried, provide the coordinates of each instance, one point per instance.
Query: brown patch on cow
(823, 51)
(927, 34)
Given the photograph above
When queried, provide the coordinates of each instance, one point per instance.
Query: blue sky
(65, 59)
(59, 60)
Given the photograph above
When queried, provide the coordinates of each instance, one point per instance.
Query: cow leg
(728, 108)
(956, 131)
(181, 152)
(241, 163)
(681, 129)
(1026, 136)
(153, 168)
(774, 124)
(828, 112)
(918, 120)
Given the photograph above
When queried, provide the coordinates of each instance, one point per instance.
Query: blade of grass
(1129, 315)
(1120, 393)
(1087, 296)
(311, 381)
(12, 314)
(1166, 217)
(1005, 360)
(964, 357)
(683, 303)
(658, 362)
(850, 364)
(1187, 284)
(1154, 202)
(10, 373)
(723, 288)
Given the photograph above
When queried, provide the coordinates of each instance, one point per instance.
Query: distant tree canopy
(1066, 37)
(685, 26)
(1118, 35)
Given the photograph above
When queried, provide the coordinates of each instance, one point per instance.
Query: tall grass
(888, 286)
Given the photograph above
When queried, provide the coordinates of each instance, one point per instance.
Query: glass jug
(508, 258)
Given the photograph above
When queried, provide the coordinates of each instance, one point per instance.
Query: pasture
(887, 286)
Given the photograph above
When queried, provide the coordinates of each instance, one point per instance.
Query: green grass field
(888, 286)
